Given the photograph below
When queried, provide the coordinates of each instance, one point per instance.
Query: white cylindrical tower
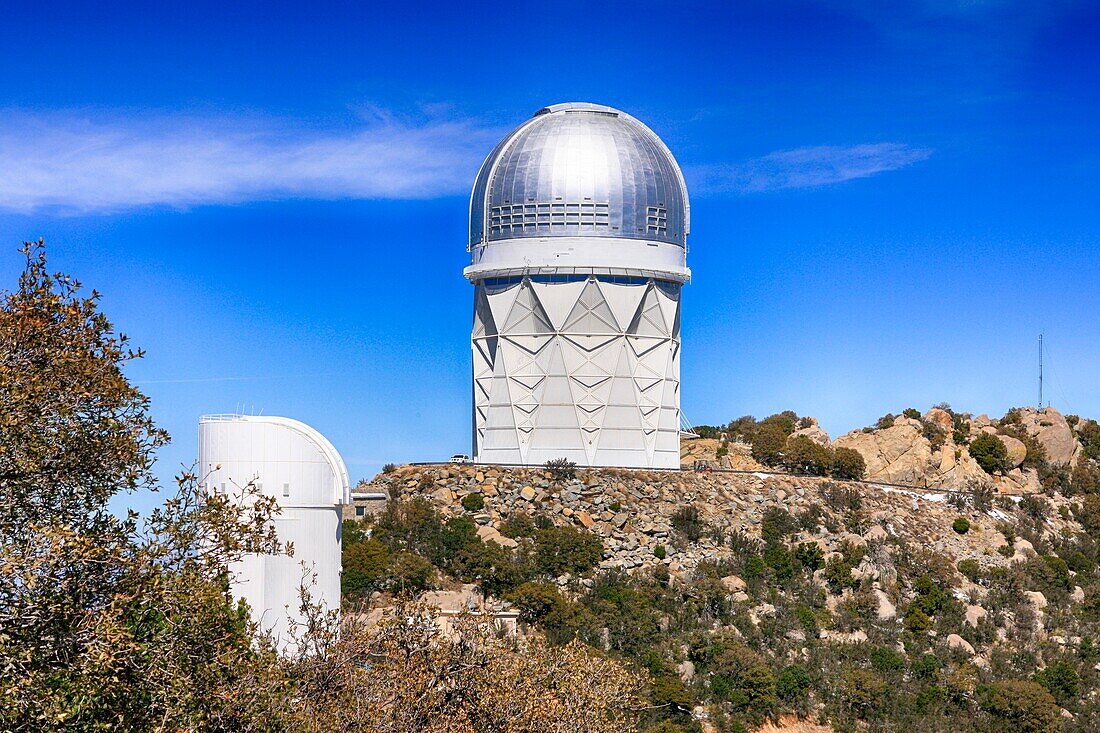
(295, 464)
(578, 250)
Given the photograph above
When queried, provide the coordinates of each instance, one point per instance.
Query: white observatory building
(578, 251)
(295, 464)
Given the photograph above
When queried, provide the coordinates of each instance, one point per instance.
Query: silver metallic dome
(579, 169)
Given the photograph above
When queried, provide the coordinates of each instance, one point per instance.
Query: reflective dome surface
(579, 169)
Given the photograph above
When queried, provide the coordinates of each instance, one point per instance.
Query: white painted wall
(295, 464)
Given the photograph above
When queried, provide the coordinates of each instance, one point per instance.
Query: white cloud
(98, 163)
(808, 167)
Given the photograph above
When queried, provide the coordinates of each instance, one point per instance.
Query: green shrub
(389, 468)
(1021, 707)
(659, 552)
(990, 453)
(934, 434)
(473, 502)
(970, 569)
(687, 522)
(961, 525)
(410, 573)
(776, 525)
(518, 524)
(768, 444)
(884, 422)
(848, 464)
(838, 575)
(365, 568)
(1061, 680)
(560, 550)
(535, 600)
(912, 413)
(862, 691)
(561, 469)
(810, 556)
(793, 683)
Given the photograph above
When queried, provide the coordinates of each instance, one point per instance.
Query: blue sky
(888, 205)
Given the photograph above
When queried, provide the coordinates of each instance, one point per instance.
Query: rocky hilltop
(932, 450)
(956, 587)
(634, 512)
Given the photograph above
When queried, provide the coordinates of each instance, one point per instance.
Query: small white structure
(578, 253)
(292, 462)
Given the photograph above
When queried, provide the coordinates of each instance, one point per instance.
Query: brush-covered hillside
(765, 598)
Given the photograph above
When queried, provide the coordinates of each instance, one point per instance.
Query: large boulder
(814, 432)
(1050, 428)
(940, 417)
(898, 454)
(1017, 451)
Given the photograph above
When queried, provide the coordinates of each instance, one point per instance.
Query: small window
(286, 489)
(360, 511)
(222, 491)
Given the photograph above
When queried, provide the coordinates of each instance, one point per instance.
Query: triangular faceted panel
(527, 315)
(643, 345)
(530, 381)
(669, 305)
(591, 313)
(484, 322)
(558, 300)
(530, 344)
(591, 343)
(500, 302)
(649, 321)
(623, 301)
(590, 382)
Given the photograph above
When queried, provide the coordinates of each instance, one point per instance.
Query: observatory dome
(580, 170)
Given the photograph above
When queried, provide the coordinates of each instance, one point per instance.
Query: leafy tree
(560, 550)
(768, 444)
(1022, 706)
(536, 600)
(366, 566)
(862, 692)
(848, 463)
(803, 455)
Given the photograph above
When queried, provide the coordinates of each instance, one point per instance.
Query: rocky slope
(633, 512)
(931, 450)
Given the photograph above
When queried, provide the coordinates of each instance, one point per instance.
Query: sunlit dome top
(579, 169)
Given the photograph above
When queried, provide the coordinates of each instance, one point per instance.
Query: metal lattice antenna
(1040, 371)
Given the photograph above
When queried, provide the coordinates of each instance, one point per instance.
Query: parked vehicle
(460, 458)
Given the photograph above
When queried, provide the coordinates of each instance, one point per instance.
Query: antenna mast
(1040, 371)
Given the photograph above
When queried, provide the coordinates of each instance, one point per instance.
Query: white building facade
(293, 463)
(578, 241)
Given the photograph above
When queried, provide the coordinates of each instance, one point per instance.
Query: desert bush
(561, 469)
(990, 453)
(1021, 706)
(688, 523)
(389, 468)
(365, 566)
(848, 464)
(560, 550)
(473, 502)
(912, 413)
(961, 525)
(803, 455)
(768, 444)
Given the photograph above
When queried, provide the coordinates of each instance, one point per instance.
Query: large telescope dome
(579, 169)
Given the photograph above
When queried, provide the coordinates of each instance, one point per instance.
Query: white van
(460, 458)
